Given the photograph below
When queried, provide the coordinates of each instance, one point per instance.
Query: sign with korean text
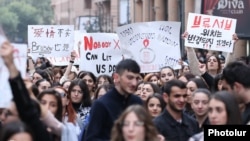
(152, 44)
(210, 32)
(50, 40)
(236, 9)
(100, 53)
(20, 58)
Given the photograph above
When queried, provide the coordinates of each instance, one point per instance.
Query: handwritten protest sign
(20, 57)
(50, 40)
(152, 44)
(64, 60)
(210, 32)
(100, 53)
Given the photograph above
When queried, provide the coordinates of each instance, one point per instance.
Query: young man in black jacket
(108, 108)
(236, 79)
(173, 123)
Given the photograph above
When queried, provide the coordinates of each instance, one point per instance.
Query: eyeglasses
(136, 124)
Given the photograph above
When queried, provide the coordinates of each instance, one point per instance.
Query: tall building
(148, 10)
(89, 15)
(107, 15)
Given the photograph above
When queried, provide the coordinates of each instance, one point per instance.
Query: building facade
(89, 15)
(107, 15)
(174, 10)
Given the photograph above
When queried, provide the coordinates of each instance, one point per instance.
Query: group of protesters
(56, 103)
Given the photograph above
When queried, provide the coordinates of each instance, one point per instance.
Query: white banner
(20, 58)
(210, 32)
(100, 53)
(64, 61)
(152, 44)
(50, 40)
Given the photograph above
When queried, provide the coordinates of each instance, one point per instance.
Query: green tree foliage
(16, 15)
(9, 22)
(26, 15)
(45, 10)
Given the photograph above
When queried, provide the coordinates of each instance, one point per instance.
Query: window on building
(88, 4)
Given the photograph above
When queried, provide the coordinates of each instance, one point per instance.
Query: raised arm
(193, 61)
(27, 108)
(31, 65)
(231, 56)
(192, 58)
(69, 67)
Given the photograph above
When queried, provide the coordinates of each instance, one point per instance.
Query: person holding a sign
(24, 103)
(70, 73)
(30, 111)
(212, 67)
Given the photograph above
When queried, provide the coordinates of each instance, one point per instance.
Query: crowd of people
(62, 103)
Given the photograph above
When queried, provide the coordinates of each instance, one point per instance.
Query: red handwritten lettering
(90, 44)
(197, 22)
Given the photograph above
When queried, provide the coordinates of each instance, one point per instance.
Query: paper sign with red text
(100, 53)
(50, 40)
(153, 44)
(210, 32)
(20, 58)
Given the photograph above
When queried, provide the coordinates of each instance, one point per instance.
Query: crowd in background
(62, 103)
